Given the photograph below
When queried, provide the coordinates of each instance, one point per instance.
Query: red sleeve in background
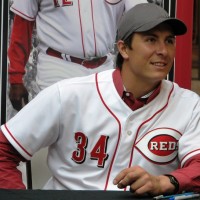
(10, 176)
(189, 176)
(19, 48)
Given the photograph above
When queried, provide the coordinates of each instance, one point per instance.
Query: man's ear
(122, 48)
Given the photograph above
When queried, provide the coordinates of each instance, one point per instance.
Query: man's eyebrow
(172, 36)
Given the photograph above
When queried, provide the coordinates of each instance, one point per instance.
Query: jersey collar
(128, 97)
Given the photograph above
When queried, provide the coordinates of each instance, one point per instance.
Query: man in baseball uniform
(76, 38)
(121, 129)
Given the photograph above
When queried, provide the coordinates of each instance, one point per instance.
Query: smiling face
(150, 56)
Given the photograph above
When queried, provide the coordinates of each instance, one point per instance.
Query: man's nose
(161, 48)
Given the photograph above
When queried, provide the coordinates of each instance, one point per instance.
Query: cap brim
(177, 26)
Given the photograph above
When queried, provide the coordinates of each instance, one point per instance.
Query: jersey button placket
(129, 132)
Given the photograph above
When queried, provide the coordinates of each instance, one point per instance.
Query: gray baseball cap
(144, 17)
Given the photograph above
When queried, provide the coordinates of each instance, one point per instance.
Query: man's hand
(18, 95)
(142, 183)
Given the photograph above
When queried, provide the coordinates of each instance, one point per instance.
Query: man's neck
(136, 86)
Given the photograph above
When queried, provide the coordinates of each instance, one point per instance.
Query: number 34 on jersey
(97, 153)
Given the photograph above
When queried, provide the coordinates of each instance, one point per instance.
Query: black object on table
(66, 195)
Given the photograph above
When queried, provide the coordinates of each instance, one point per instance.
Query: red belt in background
(93, 63)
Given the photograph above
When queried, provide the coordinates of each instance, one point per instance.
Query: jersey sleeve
(36, 125)
(27, 9)
(188, 176)
(19, 48)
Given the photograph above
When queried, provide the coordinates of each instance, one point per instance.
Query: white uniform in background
(73, 28)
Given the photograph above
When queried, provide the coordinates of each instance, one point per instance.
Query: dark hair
(119, 58)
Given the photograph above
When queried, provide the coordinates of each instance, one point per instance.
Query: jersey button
(127, 94)
(129, 132)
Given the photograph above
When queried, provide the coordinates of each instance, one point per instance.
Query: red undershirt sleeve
(19, 48)
(10, 176)
(189, 176)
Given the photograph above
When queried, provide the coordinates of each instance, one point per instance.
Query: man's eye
(151, 40)
(171, 41)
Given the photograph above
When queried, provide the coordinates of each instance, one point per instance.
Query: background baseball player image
(121, 129)
(76, 38)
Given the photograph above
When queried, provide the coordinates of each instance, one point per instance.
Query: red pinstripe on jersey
(119, 132)
(81, 27)
(95, 43)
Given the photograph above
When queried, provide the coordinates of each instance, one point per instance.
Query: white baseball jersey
(79, 28)
(92, 134)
